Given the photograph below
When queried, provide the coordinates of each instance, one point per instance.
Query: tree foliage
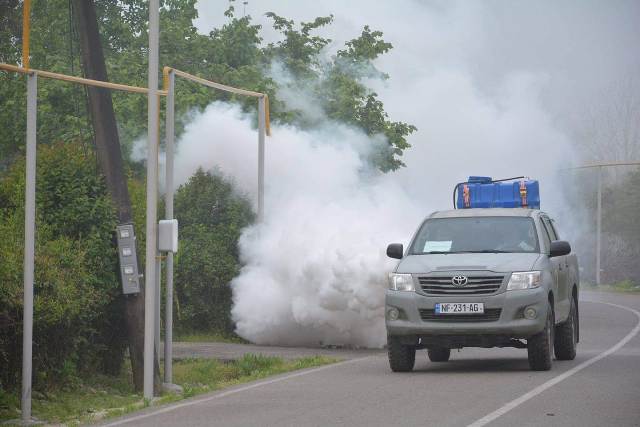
(337, 83)
(76, 290)
(211, 216)
(232, 54)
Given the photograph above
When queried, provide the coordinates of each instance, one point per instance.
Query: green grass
(82, 401)
(103, 397)
(208, 337)
(198, 376)
(626, 286)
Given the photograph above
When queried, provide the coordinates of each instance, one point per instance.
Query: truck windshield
(476, 235)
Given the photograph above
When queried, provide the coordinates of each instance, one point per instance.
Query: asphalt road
(477, 387)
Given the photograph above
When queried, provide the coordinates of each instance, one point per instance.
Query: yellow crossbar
(219, 86)
(79, 80)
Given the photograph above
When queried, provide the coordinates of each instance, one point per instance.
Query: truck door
(561, 267)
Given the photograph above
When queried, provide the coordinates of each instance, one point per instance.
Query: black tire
(540, 346)
(566, 335)
(439, 354)
(401, 357)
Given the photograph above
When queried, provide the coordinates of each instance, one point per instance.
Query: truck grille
(489, 315)
(476, 285)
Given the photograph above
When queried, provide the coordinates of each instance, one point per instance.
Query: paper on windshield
(437, 246)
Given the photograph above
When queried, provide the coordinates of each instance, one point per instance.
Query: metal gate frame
(264, 128)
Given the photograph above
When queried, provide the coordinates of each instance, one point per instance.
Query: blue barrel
(483, 192)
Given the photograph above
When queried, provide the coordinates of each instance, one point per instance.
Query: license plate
(459, 308)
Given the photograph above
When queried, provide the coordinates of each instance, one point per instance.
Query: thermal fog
(316, 268)
(489, 88)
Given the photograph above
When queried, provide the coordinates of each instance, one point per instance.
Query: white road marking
(228, 393)
(536, 391)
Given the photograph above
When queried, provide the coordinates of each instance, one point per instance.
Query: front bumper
(511, 323)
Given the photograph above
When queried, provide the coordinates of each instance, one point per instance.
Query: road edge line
(195, 401)
(555, 380)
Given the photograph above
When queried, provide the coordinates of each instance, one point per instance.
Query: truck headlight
(524, 280)
(401, 282)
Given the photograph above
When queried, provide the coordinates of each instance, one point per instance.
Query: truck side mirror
(559, 248)
(395, 250)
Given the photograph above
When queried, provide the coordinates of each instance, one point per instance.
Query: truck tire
(402, 357)
(540, 346)
(439, 354)
(566, 335)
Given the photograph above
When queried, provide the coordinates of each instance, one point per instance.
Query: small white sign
(437, 246)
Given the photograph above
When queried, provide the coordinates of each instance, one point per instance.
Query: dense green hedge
(77, 322)
(211, 217)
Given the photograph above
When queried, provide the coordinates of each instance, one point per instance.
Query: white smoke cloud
(487, 85)
(315, 270)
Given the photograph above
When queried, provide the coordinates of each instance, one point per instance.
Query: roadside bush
(77, 323)
(211, 216)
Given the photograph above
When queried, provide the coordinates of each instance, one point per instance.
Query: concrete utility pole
(111, 164)
(152, 200)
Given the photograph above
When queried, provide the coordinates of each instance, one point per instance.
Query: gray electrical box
(168, 235)
(128, 259)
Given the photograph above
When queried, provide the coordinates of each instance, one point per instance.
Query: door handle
(560, 267)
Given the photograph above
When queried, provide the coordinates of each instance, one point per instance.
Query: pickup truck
(498, 277)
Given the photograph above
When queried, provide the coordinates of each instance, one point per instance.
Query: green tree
(212, 216)
(338, 83)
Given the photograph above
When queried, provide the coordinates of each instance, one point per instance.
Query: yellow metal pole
(26, 18)
(267, 115)
(165, 78)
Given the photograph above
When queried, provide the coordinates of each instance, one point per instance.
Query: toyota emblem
(459, 280)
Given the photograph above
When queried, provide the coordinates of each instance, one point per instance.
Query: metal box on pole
(129, 275)
(168, 235)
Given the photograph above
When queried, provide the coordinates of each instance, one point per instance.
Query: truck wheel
(401, 357)
(439, 354)
(566, 335)
(540, 346)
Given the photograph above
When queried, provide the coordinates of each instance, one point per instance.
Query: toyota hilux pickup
(497, 277)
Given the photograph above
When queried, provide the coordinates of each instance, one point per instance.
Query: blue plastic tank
(483, 192)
